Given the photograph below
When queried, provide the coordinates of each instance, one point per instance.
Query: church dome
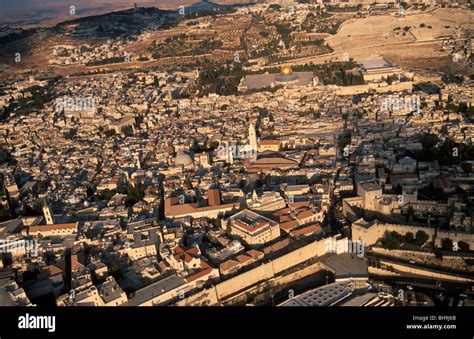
(183, 159)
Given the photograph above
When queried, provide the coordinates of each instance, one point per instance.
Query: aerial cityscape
(237, 153)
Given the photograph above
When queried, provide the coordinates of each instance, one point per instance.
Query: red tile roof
(255, 254)
(228, 265)
(242, 258)
(311, 229)
(47, 228)
(51, 270)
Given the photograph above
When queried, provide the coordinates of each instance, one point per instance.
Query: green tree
(391, 240)
(4, 214)
(409, 237)
(463, 246)
(421, 237)
(447, 244)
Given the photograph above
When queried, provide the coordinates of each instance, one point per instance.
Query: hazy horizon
(44, 12)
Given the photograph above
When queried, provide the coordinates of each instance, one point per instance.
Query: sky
(24, 6)
(38, 11)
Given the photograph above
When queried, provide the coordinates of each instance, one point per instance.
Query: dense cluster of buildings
(144, 196)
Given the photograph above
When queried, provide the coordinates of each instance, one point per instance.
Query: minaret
(47, 213)
(137, 161)
(252, 137)
(254, 196)
(230, 153)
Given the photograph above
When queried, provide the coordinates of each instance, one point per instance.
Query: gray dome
(183, 159)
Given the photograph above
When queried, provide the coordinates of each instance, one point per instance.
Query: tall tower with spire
(252, 137)
(47, 213)
(137, 161)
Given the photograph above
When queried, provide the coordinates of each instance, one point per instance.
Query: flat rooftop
(154, 290)
(359, 300)
(375, 63)
(5, 299)
(321, 296)
(257, 81)
(10, 226)
(346, 265)
(250, 220)
(371, 186)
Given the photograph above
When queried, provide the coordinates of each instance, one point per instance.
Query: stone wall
(259, 274)
(371, 234)
(426, 273)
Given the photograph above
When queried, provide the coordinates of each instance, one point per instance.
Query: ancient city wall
(263, 272)
(272, 268)
(401, 253)
(426, 273)
(372, 234)
(455, 236)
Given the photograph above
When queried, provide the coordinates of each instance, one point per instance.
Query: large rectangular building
(253, 228)
(175, 207)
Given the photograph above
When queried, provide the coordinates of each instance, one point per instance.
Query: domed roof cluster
(183, 159)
